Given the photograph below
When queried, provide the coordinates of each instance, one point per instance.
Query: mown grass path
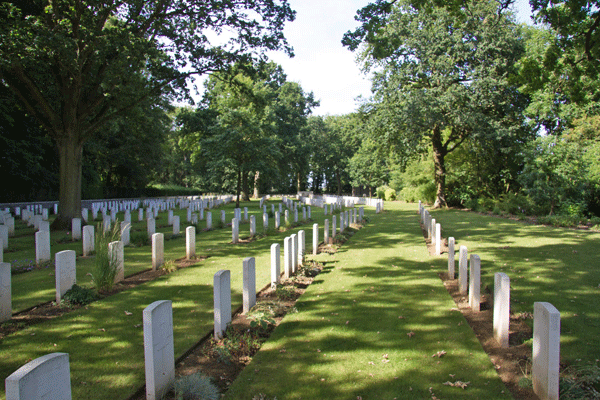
(369, 327)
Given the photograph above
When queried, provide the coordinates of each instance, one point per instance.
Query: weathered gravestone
(451, 262)
(249, 284)
(116, 255)
(287, 257)
(222, 302)
(125, 233)
(235, 231)
(5, 292)
(546, 350)
(252, 225)
(159, 351)
(190, 242)
(462, 270)
(66, 276)
(89, 241)
(475, 283)
(501, 308)
(42, 246)
(315, 242)
(47, 377)
(275, 264)
(158, 250)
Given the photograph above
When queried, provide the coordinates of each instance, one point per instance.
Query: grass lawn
(557, 265)
(370, 325)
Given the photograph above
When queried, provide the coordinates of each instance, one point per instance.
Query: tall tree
(441, 77)
(77, 64)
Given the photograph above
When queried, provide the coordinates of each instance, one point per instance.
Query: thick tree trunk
(245, 187)
(70, 157)
(256, 194)
(298, 182)
(238, 189)
(439, 153)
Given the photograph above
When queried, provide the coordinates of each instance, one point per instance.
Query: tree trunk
(245, 187)
(298, 182)
(256, 194)
(439, 153)
(238, 189)
(69, 197)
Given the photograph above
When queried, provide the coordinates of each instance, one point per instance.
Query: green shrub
(380, 193)
(105, 267)
(390, 194)
(139, 238)
(79, 295)
(425, 192)
(195, 387)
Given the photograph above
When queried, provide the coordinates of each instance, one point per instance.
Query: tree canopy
(77, 64)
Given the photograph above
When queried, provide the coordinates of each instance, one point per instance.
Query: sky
(321, 64)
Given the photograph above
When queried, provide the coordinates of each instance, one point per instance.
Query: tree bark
(245, 187)
(439, 153)
(256, 194)
(238, 189)
(70, 153)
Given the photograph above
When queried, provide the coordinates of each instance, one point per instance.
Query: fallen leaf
(128, 313)
(439, 354)
(410, 334)
(282, 351)
(371, 363)
(459, 384)
(102, 329)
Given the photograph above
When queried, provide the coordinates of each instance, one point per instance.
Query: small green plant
(285, 292)
(105, 266)
(78, 295)
(580, 382)
(169, 266)
(261, 318)
(195, 387)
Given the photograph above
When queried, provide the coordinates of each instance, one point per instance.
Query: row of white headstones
(546, 318)
(49, 376)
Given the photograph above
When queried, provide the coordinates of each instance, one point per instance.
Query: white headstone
(287, 217)
(235, 231)
(546, 350)
(277, 220)
(159, 351)
(209, 220)
(287, 257)
(265, 221)
(315, 238)
(158, 250)
(333, 227)
(116, 254)
(501, 308)
(301, 247)
(10, 224)
(223, 216)
(190, 242)
(125, 233)
(275, 264)
(451, 252)
(151, 226)
(176, 225)
(4, 236)
(42, 246)
(438, 239)
(76, 228)
(66, 275)
(462, 270)
(252, 225)
(140, 214)
(222, 302)
(249, 285)
(475, 283)
(89, 240)
(5, 292)
(46, 377)
(326, 232)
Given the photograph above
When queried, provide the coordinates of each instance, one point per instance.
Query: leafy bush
(390, 194)
(425, 192)
(105, 266)
(139, 238)
(380, 193)
(285, 292)
(195, 387)
(79, 295)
